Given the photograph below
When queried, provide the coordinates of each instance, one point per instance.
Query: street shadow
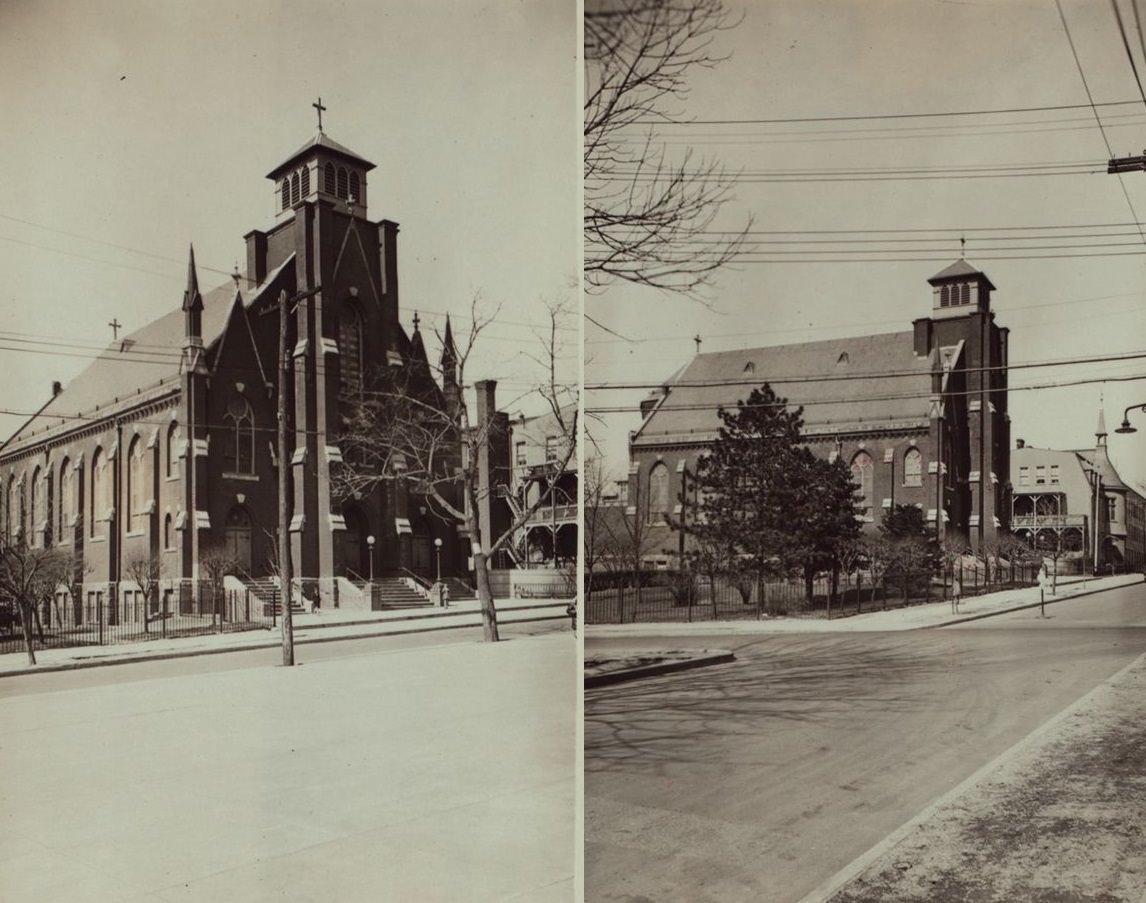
(688, 717)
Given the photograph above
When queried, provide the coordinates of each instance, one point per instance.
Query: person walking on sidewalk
(1044, 585)
(956, 591)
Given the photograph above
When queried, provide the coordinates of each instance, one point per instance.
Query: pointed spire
(1100, 430)
(449, 355)
(192, 300)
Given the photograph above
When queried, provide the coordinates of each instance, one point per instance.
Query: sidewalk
(915, 617)
(328, 626)
(439, 774)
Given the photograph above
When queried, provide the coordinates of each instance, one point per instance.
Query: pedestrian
(956, 591)
(571, 610)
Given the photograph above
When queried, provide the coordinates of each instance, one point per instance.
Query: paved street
(762, 778)
(438, 773)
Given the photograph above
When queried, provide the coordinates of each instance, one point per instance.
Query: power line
(848, 377)
(1126, 44)
(876, 116)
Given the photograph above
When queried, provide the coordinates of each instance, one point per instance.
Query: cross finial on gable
(115, 326)
(318, 106)
(416, 321)
(696, 338)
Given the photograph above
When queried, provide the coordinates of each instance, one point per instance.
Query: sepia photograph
(864, 488)
(291, 347)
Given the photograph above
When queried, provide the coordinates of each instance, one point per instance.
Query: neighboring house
(538, 445)
(1075, 502)
(919, 416)
(165, 447)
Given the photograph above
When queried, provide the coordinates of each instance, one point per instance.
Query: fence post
(99, 615)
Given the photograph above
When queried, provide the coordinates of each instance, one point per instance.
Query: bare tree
(29, 578)
(216, 563)
(595, 509)
(400, 432)
(144, 571)
(648, 215)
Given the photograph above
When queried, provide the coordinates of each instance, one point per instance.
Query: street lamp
(438, 554)
(370, 542)
(1126, 427)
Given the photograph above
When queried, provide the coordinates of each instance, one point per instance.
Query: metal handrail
(421, 581)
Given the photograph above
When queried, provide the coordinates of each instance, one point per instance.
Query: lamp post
(370, 543)
(438, 556)
(1126, 427)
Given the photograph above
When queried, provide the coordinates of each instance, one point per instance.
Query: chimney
(388, 230)
(922, 338)
(57, 388)
(1020, 443)
(256, 255)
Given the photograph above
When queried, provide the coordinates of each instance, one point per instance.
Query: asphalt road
(305, 653)
(762, 778)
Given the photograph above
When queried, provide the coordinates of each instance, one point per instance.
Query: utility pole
(286, 575)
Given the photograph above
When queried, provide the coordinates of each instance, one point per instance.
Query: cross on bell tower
(321, 109)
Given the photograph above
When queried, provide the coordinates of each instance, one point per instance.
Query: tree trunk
(26, 613)
(481, 571)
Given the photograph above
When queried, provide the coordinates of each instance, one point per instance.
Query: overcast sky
(799, 59)
(132, 129)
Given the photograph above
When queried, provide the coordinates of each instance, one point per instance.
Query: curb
(255, 646)
(833, 885)
(720, 657)
(1023, 607)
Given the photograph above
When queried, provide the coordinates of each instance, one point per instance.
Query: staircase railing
(417, 578)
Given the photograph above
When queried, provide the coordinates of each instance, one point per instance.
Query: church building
(920, 416)
(165, 447)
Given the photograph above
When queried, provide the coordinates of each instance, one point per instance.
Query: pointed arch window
(12, 510)
(658, 493)
(138, 489)
(168, 533)
(912, 468)
(35, 503)
(174, 437)
(304, 181)
(286, 193)
(355, 187)
(100, 493)
(67, 499)
(350, 349)
(240, 438)
(945, 296)
(294, 189)
(862, 477)
(343, 184)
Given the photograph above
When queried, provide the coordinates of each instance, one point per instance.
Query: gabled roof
(145, 360)
(861, 400)
(324, 142)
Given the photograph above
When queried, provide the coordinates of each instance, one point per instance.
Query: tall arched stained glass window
(912, 468)
(658, 493)
(862, 477)
(350, 349)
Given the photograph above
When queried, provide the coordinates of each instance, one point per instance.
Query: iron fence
(665, 596)
(110, 614)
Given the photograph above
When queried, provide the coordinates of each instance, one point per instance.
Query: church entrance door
(422, 549)
(354, 548)
(237, 539)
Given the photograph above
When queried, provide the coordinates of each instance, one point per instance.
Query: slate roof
(321, 139)
(689, 412)
(959, 269)
(145, 360)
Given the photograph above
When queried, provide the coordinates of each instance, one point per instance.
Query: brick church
(920, 416)
(165, 447)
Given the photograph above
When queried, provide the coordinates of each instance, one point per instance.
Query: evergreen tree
(765, 498)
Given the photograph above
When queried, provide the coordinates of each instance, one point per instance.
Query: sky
(133, 129)
(824, 59)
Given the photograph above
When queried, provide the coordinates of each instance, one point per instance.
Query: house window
(1054, 478)
(328, 178)
(239, 455)
(350, 348)
(552, 444)
(862, 477)
(1111, 509)
(520, 456)
(912, 468)
(658, 493)
(1040, 474)
(1024, 476)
